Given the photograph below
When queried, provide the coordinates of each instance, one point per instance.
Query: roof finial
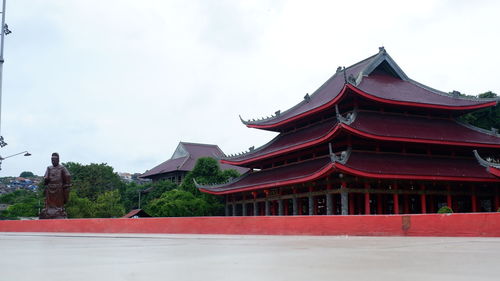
(345, 76)
(307, 97)
(381, 49)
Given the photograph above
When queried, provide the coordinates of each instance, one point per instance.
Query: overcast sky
(122, 82)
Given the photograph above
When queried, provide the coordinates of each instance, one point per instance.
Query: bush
(445, 210)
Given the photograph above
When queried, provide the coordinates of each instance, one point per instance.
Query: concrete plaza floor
(93, 257)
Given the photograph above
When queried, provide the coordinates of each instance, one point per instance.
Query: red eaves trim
(371, 97)
(387, 138)
(494, 171)
(416, 104)
(304, 114)
(323, 171)
(354, 131)
(352, 171)
(286, 150)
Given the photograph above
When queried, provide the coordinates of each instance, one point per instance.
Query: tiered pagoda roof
(377, 78)
(374, 125)
(417, 115)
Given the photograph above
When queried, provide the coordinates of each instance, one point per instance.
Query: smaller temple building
(184, 159)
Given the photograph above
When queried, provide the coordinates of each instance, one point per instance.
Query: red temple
(369, 141)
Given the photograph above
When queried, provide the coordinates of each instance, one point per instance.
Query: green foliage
(485, 118)
(24, 203)
(108, 205)
(19, 196)
(178, 203)
(207, 171)
(78, 207)
(91, 180)
(27, 174)
(22, 210)
(445, 210)
(149, 191)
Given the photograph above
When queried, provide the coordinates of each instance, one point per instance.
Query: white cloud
(123, 81)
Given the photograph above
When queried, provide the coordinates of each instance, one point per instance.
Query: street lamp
(26, 153)
(4, 30)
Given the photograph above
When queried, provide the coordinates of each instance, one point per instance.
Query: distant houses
(11, 184)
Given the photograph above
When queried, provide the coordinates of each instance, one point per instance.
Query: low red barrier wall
(474, 224)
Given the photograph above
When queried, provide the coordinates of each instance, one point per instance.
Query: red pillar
(396, 200)
(379, 204)
(351, 203)
(299, 206)
(432, 204)
(285, 207)
(497, 202)
(367, 199)
(406, 203)
(473, 199)
(334, 203)
(449, 201)
(423, 203)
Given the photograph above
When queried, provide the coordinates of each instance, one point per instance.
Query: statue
(57, 181)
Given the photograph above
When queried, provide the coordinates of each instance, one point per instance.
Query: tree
(22, 210)
(178, 203)
(90, 181)
(26, 174)
(78, 207)
(485, 118)
(207, 171)
(108, 205)
(149, 191)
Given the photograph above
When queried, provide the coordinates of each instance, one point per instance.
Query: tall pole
(2, 31)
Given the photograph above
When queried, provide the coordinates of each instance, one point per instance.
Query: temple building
(370, 140)
(184, 159)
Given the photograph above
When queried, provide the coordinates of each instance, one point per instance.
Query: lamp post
(4, 31)
(26, 153)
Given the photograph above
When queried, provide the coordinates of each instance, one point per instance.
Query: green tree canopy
(90, 181)
(178, 203)
(108, 205)
(26, 174)
(149, 191)
(78, 207)
(485, 118)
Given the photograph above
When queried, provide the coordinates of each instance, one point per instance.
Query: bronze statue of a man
(57, 181)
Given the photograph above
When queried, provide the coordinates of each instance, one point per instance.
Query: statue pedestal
(53, 213)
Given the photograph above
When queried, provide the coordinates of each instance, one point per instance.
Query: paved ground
(94, 257)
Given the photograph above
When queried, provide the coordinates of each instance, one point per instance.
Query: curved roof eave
(348, 170)
(345, 125)
(219, 189)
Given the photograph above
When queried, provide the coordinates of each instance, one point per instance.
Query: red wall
(474, 224)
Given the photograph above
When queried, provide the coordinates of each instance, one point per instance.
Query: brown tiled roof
(194, 151)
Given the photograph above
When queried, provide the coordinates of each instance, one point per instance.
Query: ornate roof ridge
(493, 132)
(234, 180)
(441, 93)
(342, 158)
(484, 162)
(217, 185)
(348, 119)
(308, 96)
